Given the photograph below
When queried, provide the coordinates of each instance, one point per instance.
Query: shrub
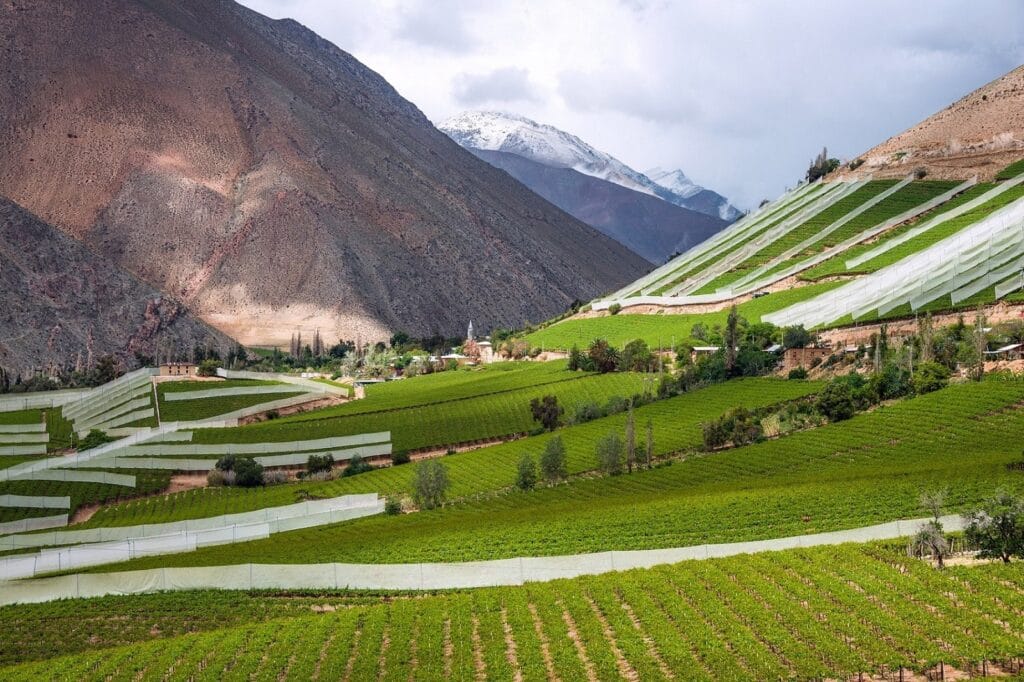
(930, 376)
(430, 483)
(526, 478)
(797, 373)
(275, 477)
(616, 404)
(921, 173)
(215, 478)
(248, 472)
(208, 368)
(836, 401)
(586, 412)
(400, 457)
(552, 461)
(609, 454)
(547, 411)
(393, 506)
(614, 309)
(94, 439)
(856, 163)
(226, 463)
(357, 465)
(272, 414)
(318, 463)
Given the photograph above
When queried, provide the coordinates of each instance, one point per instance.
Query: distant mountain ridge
(648, 225)
(548, 145)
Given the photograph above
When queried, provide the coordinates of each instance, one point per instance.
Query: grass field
(864, 471)
(801, 614)
(661, 330)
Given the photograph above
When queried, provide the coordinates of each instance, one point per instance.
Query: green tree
(732, 339)
(319, 463)
(609, 454)
(604, 358)
(526, 478)
(997, 528)
(575, 359)
(836, 401)
(547, 411)
(248, 472)
(930, 376)
(932, 540)
(430, 483)
(821, 166)
(796, 337)
(207, 368)
(637, 357)
(552, 460)
(630, 440)
(649, 445)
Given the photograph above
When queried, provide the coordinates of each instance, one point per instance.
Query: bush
(393, 506)
(797, 373)
(275, 477)
(272, 414)
(930, 376)
(208, 368)
(226, 463)
(215, 478)
(526, 478)
(586, 412)
(248, 472)
(616, 404)
(552, 461)
(430, 483)
(357, 465)
(318, 463)
(401, 457)
(836, 401)
(614, 309)
(94, 439)
(603, 357)
(921, 173)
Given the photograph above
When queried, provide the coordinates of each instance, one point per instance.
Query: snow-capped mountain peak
(503, 132)
(674, 180)
(545, 144)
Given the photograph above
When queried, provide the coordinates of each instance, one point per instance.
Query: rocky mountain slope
(651, 227)
(979, 134)
(62, 302)
(269, 180)
(545, 144)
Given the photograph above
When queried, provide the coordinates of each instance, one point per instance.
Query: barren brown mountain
(269, 180)
(977, 135)
(61, 303)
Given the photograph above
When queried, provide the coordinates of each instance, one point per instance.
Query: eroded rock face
(979, 134)
(60, 302)
(270, 181)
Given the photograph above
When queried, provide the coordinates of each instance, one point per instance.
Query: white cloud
(504, 85)
(740, 95)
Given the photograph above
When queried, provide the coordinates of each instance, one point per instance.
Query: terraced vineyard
(661, 330)
(440, 423)
(807, 614)
(207, 408)
(677, 423)
(147, 483)
(868, 470)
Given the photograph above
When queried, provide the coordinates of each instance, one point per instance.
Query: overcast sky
(740, 95)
